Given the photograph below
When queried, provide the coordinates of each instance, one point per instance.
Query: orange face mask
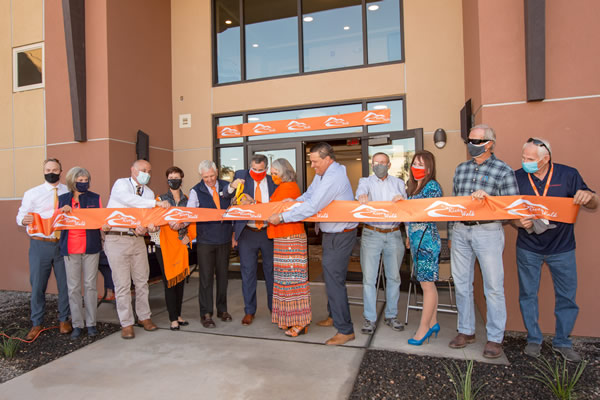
(276, 179)
(257, 176)
(418, 172)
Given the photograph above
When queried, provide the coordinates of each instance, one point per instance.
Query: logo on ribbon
(175, 214)
(66, 220)
(366, 211)
(373, 117)
(230, 132)
(526, 208)
(442, 209)
(297, 126)
(261, 128)
(336, 122)
(117, 218)
(235, 212)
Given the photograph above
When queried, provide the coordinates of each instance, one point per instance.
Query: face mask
(530, 167)
(418, 172)
(143, 178)
(276, 179)
(82, 187)
(476, 150)
(257, 176)
(380, 170)
(51, 177)
(174, 183)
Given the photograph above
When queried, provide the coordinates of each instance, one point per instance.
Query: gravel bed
(50, 345)
(393, 375)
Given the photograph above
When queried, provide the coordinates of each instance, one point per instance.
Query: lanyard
(547, 182)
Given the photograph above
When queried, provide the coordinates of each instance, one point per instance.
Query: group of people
(282, 243)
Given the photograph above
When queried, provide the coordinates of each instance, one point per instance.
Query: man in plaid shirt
(483, 175)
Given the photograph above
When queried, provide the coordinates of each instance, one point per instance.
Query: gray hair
(286, 171)
(75, 173)
(206, 165)
(488, 133)
(259, 158)
(541, 150)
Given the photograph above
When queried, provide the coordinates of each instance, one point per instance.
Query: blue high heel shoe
(419, 342)
(435, 329)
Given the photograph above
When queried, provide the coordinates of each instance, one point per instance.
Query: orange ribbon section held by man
(434, 209)
(359, 118)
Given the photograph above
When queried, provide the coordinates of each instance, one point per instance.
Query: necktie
(56, 233)
(138, 190)
(258, 199)
(216, 197)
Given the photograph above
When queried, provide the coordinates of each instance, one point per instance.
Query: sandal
(294, 331)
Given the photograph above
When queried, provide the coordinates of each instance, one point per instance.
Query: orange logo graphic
(366, 211)
(175, 214)
(66, 220)
(526, 208)
(442, 209)
(230, 132)
(236, 212)
(373, 117)
(261, 128)
(297, 126)
(333, 122)
(117, 218)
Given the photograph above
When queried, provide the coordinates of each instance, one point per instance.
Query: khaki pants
(84, 266)
(128, 259)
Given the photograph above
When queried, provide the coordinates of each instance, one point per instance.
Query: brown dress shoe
(339, 339)
(492, 350)
(461, 340)
(247, 320)
(326, 322)
(66, 327)
(147, 324)
(33, 332)
(224, 316)
(127, 332)
(207, 321)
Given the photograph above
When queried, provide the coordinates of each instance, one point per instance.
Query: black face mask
(51, 177)
(82, 187)
(174, 183)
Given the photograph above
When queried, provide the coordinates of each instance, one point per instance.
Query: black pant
(213, 259)
(173, 294)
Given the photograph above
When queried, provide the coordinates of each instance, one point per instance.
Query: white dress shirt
(123, 195)
(40, 200)
(381, 190)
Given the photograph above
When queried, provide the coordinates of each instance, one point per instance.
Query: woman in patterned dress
(291, 292)
(425, 244)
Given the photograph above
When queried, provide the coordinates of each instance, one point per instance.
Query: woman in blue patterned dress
(425, 244)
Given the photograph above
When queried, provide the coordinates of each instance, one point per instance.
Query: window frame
(20, 49)
(301, 72)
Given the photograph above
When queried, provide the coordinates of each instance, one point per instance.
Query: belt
(254, 229)
(43, 239)
(472, 223)
(128, 233)
(348, 230)
(376, 229)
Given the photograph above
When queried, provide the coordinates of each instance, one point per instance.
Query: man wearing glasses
(540, 241)
(483, 175)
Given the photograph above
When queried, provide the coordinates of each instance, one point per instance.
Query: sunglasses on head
(538, 142)
(476, 141)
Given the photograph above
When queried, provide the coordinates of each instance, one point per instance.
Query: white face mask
(143, 178)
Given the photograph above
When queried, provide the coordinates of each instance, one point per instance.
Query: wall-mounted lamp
(439, 138)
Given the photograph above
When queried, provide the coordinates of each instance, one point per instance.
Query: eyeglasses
(476, 141)
(538, 142)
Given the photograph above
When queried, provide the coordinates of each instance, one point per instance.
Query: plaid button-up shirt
(493, 176)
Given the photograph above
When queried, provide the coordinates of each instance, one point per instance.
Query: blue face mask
(82, 187)
(530, 167)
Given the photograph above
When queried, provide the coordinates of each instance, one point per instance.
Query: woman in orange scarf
(291, 292)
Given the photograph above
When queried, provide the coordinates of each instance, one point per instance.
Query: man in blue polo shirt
(542, 241)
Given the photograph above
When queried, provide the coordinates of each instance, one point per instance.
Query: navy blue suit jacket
(216, 232)
(244, 174)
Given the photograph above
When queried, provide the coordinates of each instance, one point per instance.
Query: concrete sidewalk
(231, 361)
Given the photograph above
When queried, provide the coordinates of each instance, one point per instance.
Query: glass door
(290, 151)
(399, 146)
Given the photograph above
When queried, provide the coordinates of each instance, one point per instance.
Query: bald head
(140, 166)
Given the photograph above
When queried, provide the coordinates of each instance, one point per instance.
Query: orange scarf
(175, 254)
(287, 190)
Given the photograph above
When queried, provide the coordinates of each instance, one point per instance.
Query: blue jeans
(372, 244)
(485, 243)
(563, 268)
(43, 257)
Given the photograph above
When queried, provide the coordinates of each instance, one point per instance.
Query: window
(269, 38)
(28, 67)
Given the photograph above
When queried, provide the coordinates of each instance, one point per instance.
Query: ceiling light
(253, 118)
(228, 22)
(373, 7)
(358, 159)
(380, 107)
(346, 28)
(255, 45)
(308, 19)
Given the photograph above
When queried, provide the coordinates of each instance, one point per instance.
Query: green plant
(463, 381)
(557, 378)
(10, 345)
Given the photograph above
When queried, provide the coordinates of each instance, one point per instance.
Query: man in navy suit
(213, 243)
(251, 236)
